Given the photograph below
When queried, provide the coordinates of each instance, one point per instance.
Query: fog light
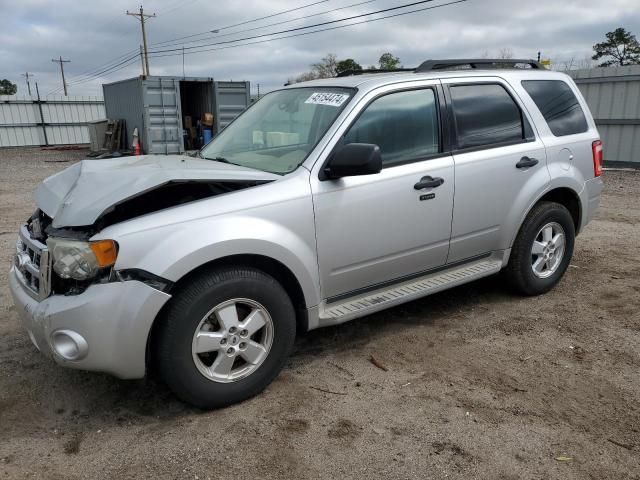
(69, 345)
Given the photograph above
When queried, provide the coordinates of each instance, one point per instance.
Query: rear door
(376, 229)
(500, 165)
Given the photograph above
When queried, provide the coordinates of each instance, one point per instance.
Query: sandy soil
(479, 383)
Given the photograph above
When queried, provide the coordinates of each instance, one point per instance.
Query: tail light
(597, 157)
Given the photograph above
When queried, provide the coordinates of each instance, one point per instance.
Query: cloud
(91, 34)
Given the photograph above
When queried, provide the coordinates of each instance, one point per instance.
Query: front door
(376, 229)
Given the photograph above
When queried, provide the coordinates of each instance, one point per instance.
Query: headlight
(81, 260)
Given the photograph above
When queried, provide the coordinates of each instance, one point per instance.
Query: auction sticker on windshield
(328, 98)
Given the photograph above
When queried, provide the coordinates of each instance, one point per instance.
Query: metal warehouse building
(54, 120)
(613, 95)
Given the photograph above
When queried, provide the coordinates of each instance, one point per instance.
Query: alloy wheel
(232, 340)
(548, 250)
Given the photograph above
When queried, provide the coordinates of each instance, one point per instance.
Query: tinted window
(404, 125)
(485, 115)
(558, 105)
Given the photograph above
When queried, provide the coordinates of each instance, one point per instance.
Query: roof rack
(485, 63)
(450, 64)
(348, 73)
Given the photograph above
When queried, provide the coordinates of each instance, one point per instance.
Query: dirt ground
(479, 383)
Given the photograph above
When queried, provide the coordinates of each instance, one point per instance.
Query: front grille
(33, 265)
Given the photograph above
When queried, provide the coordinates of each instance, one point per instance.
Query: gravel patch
(478, 383)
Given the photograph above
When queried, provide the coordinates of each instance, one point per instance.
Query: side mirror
(354, 159)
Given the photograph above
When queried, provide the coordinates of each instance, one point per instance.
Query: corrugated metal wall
(123, 101)
(55, 120)
(613, 95)
(231, 99)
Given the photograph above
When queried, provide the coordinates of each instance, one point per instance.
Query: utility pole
(144, 73)
(27, 75)
(142, 17)
(62, 62)
(44, 127)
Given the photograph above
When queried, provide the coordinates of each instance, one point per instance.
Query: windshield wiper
(219, 159)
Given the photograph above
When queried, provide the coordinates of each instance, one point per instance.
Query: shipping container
(158, 106)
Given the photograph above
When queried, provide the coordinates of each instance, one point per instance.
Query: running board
(370, 302)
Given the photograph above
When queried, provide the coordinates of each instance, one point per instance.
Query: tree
(348, 64)
(325, 68)
(505, 53)
(389, 62)
(305, 77)
(7, 88)
(621, 48)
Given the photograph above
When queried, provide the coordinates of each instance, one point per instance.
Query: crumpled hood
(78, 195)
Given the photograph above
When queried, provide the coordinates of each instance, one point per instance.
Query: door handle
(428, 182)
(526, 162)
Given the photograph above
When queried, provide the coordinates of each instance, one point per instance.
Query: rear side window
(404, 125)
(558, 105)
(485, 114)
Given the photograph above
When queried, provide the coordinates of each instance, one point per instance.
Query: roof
(375, 80)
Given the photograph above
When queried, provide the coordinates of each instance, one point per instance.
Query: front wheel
(542, 250)
(225, 336)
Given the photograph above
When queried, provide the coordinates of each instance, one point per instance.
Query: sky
(102, 43)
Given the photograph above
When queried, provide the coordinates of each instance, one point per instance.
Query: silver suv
(324, 202)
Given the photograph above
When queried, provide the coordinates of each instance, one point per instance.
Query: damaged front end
(88, 197)
(77, 262)
(66, 256)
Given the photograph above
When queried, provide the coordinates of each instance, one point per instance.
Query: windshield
(278, 132)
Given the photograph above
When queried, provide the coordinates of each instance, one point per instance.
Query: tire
(520, 269)
(175, 348)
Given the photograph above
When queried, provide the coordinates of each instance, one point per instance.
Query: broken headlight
(73, 259)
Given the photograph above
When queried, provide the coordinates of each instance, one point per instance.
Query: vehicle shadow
(84, 401)
(424, 311)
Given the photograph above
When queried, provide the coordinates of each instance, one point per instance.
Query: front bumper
(114, 319)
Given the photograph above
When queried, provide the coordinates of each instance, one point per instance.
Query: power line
(276, 23)
(89, 73)
(96, 72)
(110, 69)
(132, 59)
(371, 20)
(126, 62)
(175, 6)
(242, 23)
(399, 7)
(92, 70)
(125, 65)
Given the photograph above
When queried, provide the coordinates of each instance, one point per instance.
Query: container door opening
(196, 98)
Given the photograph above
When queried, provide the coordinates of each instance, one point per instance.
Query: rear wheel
(542, 250)
(225, 336)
